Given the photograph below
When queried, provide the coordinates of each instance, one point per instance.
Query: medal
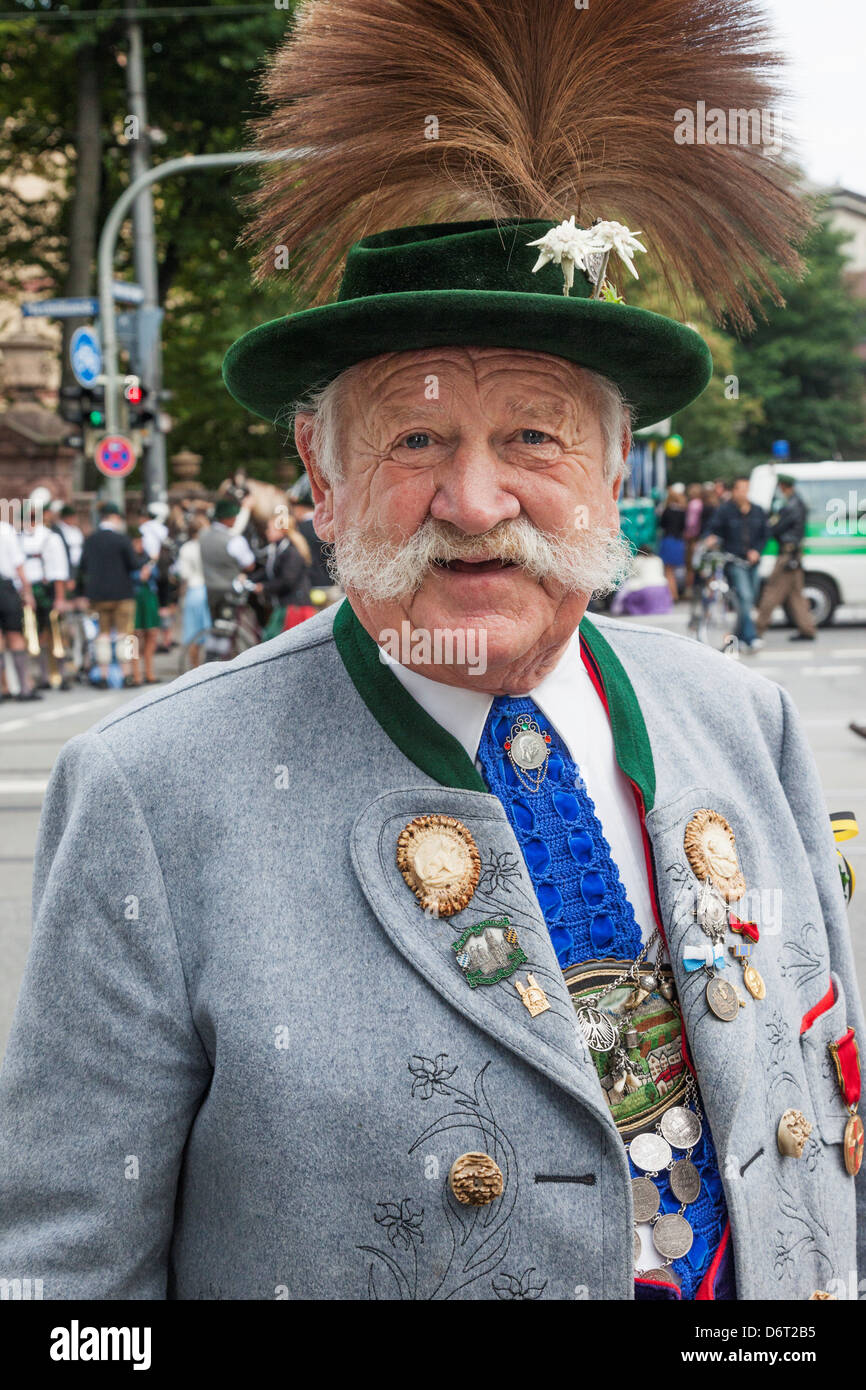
(672, 1236)
(528, 749)
(846, 1059)
(711, 912)
(853, 1145)
(751, 978)
(723, 999)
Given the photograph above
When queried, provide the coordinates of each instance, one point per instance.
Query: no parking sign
(115, 456)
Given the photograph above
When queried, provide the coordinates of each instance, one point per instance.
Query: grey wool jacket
(243, 1058)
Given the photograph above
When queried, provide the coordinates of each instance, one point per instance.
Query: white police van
(834, 552)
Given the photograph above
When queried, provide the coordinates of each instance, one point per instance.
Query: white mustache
(590, 561)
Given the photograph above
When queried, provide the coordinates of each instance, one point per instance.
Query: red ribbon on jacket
(749, 929)
(846, 1056)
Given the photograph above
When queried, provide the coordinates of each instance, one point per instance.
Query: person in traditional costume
(456, 944)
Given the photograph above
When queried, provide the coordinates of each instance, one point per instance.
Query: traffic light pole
(144, 248)
(114, 487)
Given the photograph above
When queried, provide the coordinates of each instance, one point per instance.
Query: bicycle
(233, 630)
(713, 619)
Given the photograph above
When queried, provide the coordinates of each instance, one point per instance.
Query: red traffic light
(133, 394)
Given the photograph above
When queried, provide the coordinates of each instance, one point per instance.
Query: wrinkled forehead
(504, 377)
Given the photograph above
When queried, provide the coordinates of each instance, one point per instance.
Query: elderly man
(453, 944)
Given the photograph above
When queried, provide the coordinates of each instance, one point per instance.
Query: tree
(802, 365)
(200, 93)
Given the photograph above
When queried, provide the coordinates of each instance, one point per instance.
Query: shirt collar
(463, 711)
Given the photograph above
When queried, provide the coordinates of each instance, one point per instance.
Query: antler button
(476, 1179)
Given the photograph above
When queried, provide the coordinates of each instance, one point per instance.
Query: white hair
(588, 559)
(325, 403)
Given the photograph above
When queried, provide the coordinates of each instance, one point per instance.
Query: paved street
(827, 681)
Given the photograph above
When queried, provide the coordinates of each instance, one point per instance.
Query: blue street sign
(60, 308)
(85, 356)
(125, 292)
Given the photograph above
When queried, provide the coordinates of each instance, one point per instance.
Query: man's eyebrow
(396, 415)
(551, 406)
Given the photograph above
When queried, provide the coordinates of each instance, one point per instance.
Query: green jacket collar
(440, 755)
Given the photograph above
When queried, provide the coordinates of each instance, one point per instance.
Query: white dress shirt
(238, 547)
(153, 533)
(570, 701)
(45, 556)
(189, 564)
(11, 554)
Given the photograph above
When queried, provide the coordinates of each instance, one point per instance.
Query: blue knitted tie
(575, 878)
(588, 916)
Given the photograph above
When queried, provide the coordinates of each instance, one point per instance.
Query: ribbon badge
(704, 954)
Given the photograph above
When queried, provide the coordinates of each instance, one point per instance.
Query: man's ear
(626, 450)
(323, 496)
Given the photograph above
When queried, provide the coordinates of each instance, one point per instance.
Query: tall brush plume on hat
(536, 109)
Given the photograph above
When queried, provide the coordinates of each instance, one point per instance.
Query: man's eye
(534, 437)
(417, 440)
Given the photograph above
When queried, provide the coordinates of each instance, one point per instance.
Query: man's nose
(472, 490)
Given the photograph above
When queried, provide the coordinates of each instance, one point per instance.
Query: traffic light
(83, 405)
(95, 417)
(70, 404)
(140, 409)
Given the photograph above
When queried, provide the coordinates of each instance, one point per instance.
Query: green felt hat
(467, 284)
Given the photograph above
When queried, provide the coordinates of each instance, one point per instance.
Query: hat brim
(659, 365)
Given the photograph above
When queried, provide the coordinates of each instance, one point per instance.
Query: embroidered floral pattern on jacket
(478, 1237)
(509, 1286)
(805, 964)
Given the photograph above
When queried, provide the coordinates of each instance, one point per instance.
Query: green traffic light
(96, 417)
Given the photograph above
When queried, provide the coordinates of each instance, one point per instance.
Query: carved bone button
(476, 1180)
(439, 860)
(711, 849)
(794, 1129)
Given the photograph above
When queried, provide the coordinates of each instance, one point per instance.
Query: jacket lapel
(722, 1052)
(551, 1041)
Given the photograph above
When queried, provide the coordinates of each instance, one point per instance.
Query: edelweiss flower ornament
(613, 236)
(567, 246)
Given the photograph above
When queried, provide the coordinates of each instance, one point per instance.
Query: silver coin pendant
(681, 1127)
(672, 1236)
(647, 1198)
(685, 1181)
(650, 1152)
(528, 749)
